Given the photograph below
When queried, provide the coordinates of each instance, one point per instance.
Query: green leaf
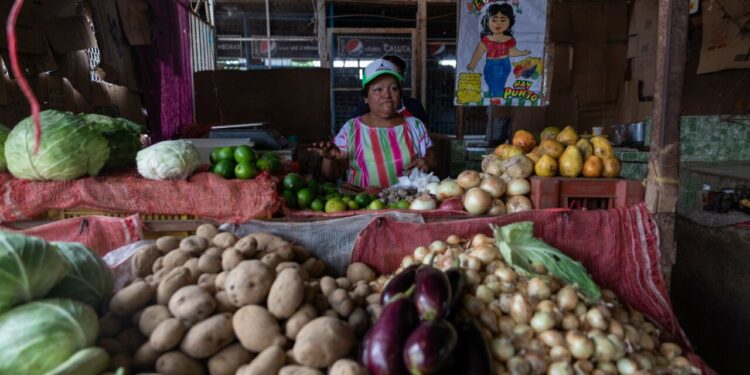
(521, 250)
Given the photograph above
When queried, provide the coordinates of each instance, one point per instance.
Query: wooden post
(420, 66)
(664, 159)
(320, 19)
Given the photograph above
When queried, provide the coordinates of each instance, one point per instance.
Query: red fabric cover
(205, 195)
(619, 247)
(99, 233)
(309, 214)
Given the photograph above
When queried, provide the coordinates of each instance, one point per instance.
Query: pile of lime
(242, 162)
(299, 193)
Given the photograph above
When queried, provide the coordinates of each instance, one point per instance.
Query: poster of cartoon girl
(501, 53)
(498, 44)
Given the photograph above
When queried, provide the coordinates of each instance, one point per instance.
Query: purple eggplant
(432, 293)
(472, 353)
(399, 284)
(457, 280)
(383, 345)
(429, 347)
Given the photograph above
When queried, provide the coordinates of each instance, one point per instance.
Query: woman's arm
(514, 52)
(426, 163)
(331, 169)
(478, 52)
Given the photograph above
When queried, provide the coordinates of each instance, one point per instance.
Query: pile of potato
(540, 325)
(216, 304)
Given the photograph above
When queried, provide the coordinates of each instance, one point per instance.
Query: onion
(517, 204)
(493, 185)
(493, 165)
(542, 321)
(451, 204)
(502, 349)
(519, 186)
(519, 166)
(469, 179)
(423, 202)
(519, 309)
(448, 189)
(477, 201)
(579, 345)
(432, 188)
(498, 208)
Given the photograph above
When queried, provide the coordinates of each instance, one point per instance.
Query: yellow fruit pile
(565, 153)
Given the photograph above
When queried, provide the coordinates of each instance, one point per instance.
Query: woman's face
(384, 96)
(499, 23)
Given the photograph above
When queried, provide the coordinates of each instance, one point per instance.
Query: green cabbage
(124, 137)
(89, 279)
(69, 148)
(29, 268)
(39, 336)
(169, 160)
(3, 136)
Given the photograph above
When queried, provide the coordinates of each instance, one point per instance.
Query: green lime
(352, 205)
(304, 198)
(244, 153)
(274, 166)
(403, 204)
(335, 205)
(290, 198)
(293, 182)
(262, 164)
(376, 204)
(346, 199)
(224, 168)
(332, 196)
(269, 156)
(245, 171)
(317, 205)
(314, 187)
(330, 188)
(215, 155)
(362, 199)
(225, 153)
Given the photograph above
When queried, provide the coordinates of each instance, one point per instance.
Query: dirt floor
(711, 293)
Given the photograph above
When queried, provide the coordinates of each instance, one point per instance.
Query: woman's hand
(325, 149)
(420, 164)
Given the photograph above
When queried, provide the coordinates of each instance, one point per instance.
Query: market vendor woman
(375, 149)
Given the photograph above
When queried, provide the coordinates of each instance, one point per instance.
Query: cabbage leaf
(3, 136)
(123, 137)
(89, 279)
(29, 268)
(39, 336)
(521, 250)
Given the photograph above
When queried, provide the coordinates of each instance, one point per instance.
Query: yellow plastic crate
(75, 212)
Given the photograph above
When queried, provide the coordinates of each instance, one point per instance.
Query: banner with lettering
(501, 53)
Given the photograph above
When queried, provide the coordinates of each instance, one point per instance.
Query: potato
(176, 279)
(207, 231)
(373, 298)
(286, 294)
(142, 263)
(155, 278)
(359, 321)
(271, 260)
(109, 326)
(151, 317)
(347, 367)
(224, 240)
(195, 271)
(304, 315)
(284, 265)
(207, 281)
(220, 279)
(209, 263)
(146, 356)
(314, 267)
(374, 311)
(111, 346)
(323, 341)
(330, 313)
(360, 293)
(341, 302)
(321, 303)
(301, 254)
(344, 283)
(191, 304)
(230, 258)
(267, 362)
(328, 285)
(167, 243)
(131, 339)
(158, 264)
(228, 360)
(167, 335)
(217, 251)
(223, 304)
(131, 298)
(256, 328)
(359, 272)
(194, 245)
(248, 283)
(247, 246)
(177, 363)
(299, 370)
(286, 253)
(174, 259)
(209, 336)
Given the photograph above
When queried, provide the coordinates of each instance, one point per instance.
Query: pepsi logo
(263, 47)
(354, 47)
(437, 49)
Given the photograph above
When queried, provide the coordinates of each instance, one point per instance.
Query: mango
(611, 166)
(549, 133)
(585, 147)
(552, 148)
(593, 166)
(602, 147)
(524, 140)
(507, 151)
(546, 167)
(570, 162)
(567, 136)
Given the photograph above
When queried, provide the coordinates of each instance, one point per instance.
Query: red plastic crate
(585, 193)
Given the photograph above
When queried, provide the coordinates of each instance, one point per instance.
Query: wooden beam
(320, 20)
(421, 62)
(664, 158)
